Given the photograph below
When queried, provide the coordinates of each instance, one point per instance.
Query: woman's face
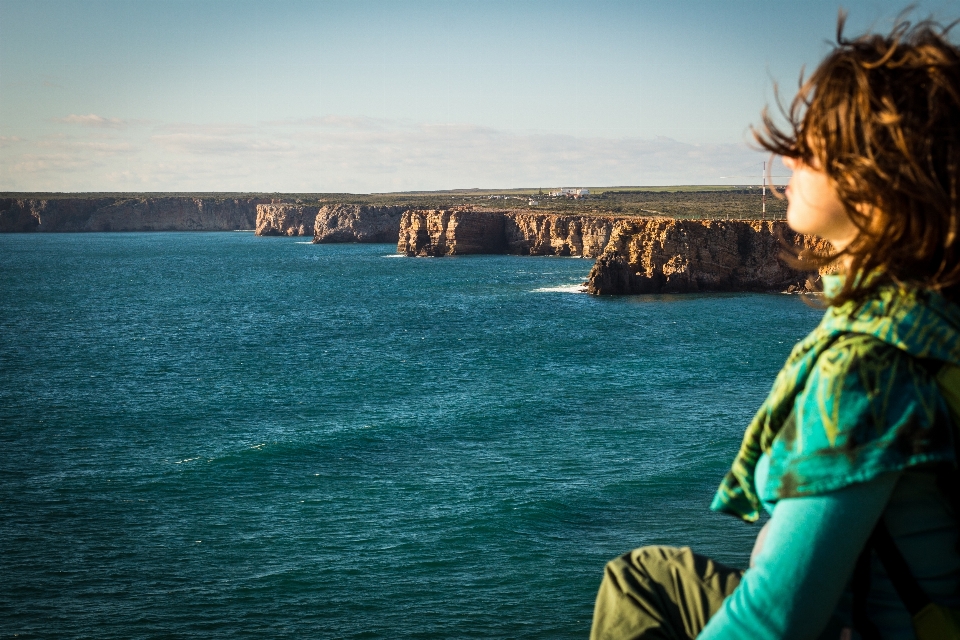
(814, 207)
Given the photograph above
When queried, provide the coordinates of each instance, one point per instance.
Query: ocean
(216, 435)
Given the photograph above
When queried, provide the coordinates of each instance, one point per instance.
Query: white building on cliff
(570, 192)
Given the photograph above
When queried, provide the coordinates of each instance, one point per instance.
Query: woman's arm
(806, 561)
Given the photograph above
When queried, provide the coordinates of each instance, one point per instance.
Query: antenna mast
(763, 180)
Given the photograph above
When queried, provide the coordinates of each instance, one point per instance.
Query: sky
(381, 96)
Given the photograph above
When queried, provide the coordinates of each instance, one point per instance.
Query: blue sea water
(215, 435)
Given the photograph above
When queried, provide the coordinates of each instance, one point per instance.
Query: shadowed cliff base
(612, 274)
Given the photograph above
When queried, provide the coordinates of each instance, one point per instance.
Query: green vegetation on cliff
(681, 202)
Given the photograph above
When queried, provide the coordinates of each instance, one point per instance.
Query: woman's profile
(854, 452)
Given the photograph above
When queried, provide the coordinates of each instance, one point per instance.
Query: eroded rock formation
(659, 255)
(465, 230)
(164, 213)
(357, 223)
(611, 275)
(452, 231)
(286, 219)
(557, 235)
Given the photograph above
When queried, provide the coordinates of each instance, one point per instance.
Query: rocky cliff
(331, 223)
(286, 219)
(357, 223)
(658, 255)
(164, 213)
(635, 255)
(460, 231)
(444, 232)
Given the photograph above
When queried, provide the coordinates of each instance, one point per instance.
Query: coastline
(634, 254)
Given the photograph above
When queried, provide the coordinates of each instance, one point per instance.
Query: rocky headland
(285, 219)
(635, 255)
(358, 223)
(682, 256)
(463, 230)
(124, 213)
(331, 222)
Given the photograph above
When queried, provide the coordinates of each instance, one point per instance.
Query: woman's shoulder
(861, 366)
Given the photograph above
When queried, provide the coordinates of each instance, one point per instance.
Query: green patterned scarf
(867, 408)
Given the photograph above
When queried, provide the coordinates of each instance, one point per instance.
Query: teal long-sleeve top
(800, 576)
(852, 428)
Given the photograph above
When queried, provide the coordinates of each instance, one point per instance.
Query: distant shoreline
(223, 211)
(645, 241)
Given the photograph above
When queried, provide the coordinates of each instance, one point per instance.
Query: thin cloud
(93, 120)
(434, 156)
(53, 162)
(355, 154)
(215, 129)
(213, 145)
(96, 145)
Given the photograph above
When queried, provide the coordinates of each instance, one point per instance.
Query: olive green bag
(935, 622)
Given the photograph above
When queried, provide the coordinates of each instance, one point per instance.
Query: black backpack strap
(913, 596)
(948, 482)
(911, 593)
(861, 587)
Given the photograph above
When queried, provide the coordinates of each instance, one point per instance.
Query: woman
(856, 437)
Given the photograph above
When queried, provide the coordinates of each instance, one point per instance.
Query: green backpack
(931, 621)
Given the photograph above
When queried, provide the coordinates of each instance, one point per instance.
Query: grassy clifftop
(682, 202)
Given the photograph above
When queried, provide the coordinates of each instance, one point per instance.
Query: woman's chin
(797, 224)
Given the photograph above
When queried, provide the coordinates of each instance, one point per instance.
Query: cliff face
(540, 234)
(285, 219)
(173, 213)
(636, 255)
(465, 230)
(357, 223)
(460, 231)
(451, 231)
(659, 255)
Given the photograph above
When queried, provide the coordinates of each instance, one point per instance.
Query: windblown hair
(881, 116)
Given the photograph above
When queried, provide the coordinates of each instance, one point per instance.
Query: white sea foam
(394, 255)
(564, 288)
(302, 242)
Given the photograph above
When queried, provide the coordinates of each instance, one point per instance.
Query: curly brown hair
(881, 116)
